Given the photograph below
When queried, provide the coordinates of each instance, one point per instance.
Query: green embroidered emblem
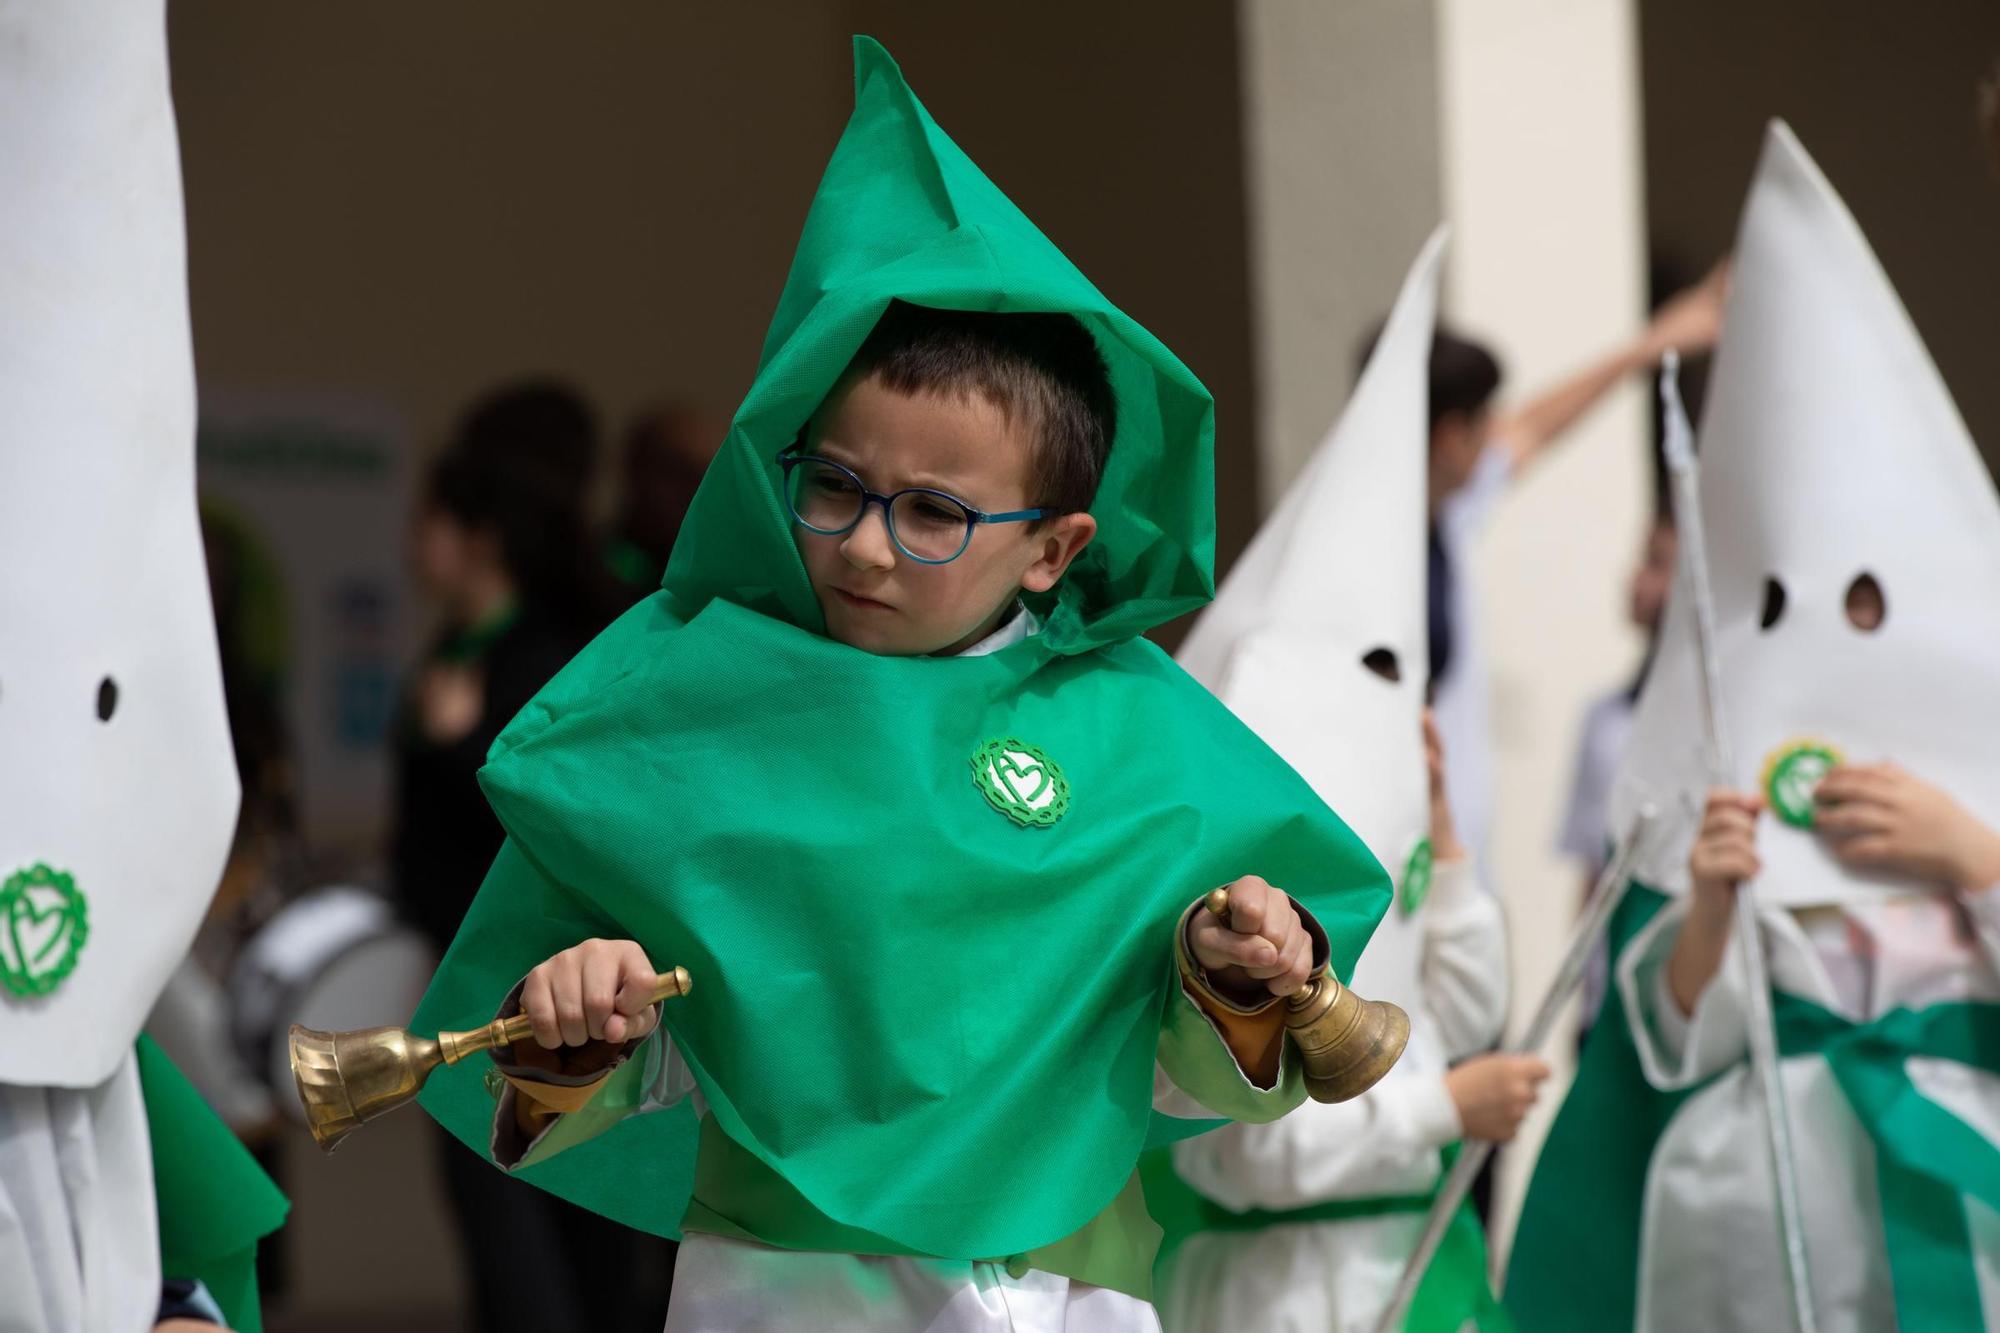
(1021, 782)
(1792, 774)
(1416, 882)
(43, 925)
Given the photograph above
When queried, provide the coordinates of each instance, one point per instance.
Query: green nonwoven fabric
(937, 1024)
(215, 1202)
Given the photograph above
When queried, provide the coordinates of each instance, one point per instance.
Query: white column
(1340, 122)
(1542, 184)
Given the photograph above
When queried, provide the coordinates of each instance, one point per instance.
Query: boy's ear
(1060, 541)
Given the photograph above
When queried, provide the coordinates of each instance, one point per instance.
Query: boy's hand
(1878, 817)
(1724, 855)
(1493, 1093)
(1690, 321)
(1725, 851)
(1262, 948)
(597, 991)
(1445, 845)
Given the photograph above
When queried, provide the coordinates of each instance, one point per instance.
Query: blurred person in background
(666, 452)
(501, 549)
(1586, 833)
(1475, 455)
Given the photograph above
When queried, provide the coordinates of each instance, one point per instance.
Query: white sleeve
(1466, 508)
(1984, 910)
(1385, 1141)
(1679, 1050)
(1465, 960)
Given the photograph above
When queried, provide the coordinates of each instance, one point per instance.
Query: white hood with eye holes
(1334, 575)
(1830, 450)
(113, 830)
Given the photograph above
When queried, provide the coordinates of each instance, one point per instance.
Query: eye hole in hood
(1774, 604)
(1867, 605)
(1382, 661)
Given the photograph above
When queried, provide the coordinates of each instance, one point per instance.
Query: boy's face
(879, 600)
(1456, 443)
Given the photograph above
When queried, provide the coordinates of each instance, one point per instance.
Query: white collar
(1011, 631)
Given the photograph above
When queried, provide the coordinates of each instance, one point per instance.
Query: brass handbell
(1346, 1043)
(348, 1078)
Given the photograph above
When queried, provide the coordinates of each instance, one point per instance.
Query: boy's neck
(987, 628)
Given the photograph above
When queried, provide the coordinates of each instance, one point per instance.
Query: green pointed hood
(903, 214)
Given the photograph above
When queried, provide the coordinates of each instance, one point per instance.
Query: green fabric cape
(1575, 1263)
(936, 1024)
(215, 1202)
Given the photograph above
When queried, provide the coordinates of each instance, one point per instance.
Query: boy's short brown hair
(1040, 369)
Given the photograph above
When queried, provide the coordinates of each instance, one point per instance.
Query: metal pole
(1605, 897)
(1763, 1034)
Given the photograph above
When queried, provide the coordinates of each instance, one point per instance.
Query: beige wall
(404, 204)
(408, 202)
(1340, 112)
(1542, 186)
(1882, 96)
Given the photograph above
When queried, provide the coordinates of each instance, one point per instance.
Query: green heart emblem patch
(1021, 782)
(1415, 884)
(1792, 774)
(43, 926)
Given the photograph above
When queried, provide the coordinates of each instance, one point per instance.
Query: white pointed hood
(1334, 575)
(1830, 450)
(113, 829)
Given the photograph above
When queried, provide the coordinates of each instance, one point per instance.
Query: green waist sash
(1454, 1291)
(1927, 1160)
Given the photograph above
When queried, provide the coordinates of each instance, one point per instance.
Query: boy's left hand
(1445, 845)
(1262, 949)
(1878, 817)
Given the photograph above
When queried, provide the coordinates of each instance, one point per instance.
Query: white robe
(724, 1285)
(79, 1240)
(1319, 1277)
(1711, 1259)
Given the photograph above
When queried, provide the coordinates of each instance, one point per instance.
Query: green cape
(1576, 1254)
(215, 1202)
(936, 1024)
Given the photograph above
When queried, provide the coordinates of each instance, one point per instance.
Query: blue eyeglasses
(930, 527)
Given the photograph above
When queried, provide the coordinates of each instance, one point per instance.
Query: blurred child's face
(441, 553)
(876, 598)
(1653, 577)
(1456, 443)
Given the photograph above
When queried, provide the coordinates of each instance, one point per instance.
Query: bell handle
(455, 1046)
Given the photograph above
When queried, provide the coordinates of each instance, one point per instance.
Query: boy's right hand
(1725, 850)
(1493, 1093)
(1724, 855)
(600, 990)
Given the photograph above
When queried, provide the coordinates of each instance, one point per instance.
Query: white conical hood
(1830, 450)
(101, 571)
(1335, 574)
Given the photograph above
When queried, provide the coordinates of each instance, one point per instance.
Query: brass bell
(348, 1078)
(1345, 1042)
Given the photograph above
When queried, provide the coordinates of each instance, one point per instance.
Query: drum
(335, 959)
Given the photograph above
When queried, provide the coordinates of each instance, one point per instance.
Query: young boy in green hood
(886, 765)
